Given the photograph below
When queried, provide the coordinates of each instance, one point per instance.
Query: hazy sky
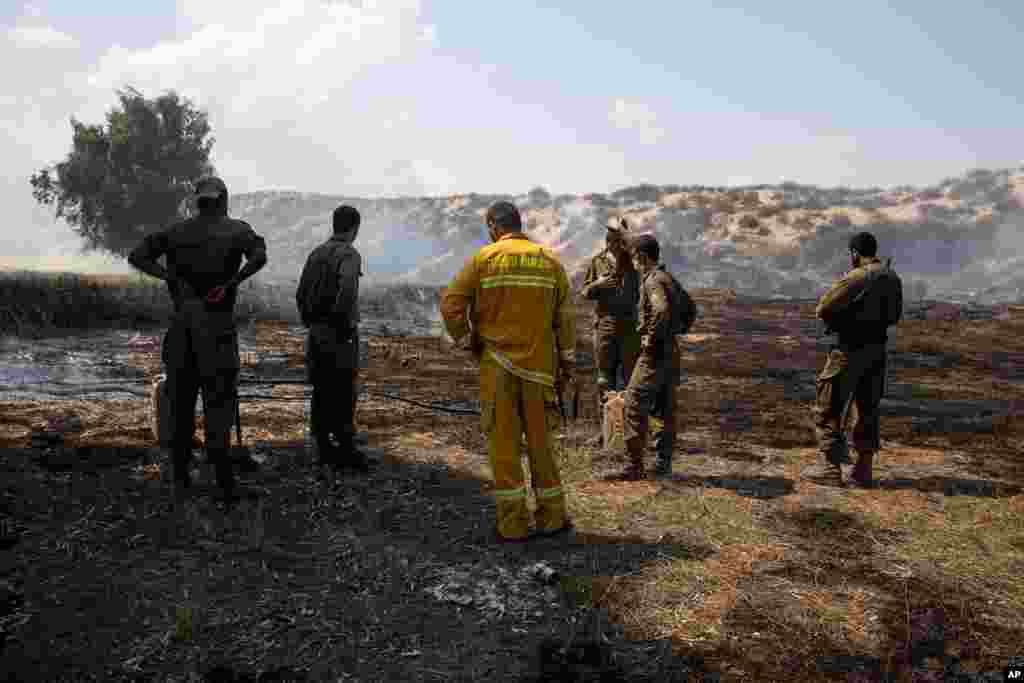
(405, 97)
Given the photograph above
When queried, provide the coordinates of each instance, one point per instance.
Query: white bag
(160, 413)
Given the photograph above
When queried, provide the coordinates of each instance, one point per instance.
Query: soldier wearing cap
(859, 308)
(200, 350)
(612, 281)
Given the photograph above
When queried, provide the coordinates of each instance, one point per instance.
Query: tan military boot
(830, 474)
(634, 471)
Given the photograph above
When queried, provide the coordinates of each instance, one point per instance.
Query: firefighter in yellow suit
(518, 293)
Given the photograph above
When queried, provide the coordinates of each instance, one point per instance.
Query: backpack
(892, 305)
(684, 311)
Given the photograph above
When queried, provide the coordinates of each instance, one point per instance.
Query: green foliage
(32, 301)
(130, 177)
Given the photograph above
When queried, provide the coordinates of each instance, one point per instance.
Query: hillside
(957, 240)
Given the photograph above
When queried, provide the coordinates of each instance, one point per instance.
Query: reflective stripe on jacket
(519, 293)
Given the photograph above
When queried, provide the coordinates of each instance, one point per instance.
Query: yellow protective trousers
(511, 406)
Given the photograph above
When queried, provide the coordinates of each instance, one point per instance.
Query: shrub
(803, 223)
(841, 220)
(539, 196)
(749, 222)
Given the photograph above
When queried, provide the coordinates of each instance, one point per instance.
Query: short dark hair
(864, 243)
(505, 216)
(646, 245)
(345, 218)
(212, 206)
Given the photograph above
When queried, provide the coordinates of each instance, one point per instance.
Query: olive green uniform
(651, 390)
(200, 349)
(616, 339)
(328, 301)
(859, 307)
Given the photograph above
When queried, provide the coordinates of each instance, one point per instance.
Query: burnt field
(735, 569)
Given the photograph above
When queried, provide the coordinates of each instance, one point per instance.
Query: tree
(130, 177)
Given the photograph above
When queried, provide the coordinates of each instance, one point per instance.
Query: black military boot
(634, 471)
(182, 460)
(326, 452)
(602, 396)
(663, 464)
(225, 474)
(349, 456)
(664, 442)
(861, 474)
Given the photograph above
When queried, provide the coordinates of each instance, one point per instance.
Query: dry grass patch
(683, 598)
(980, 541)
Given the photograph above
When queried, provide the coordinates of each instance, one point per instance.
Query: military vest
(878, 306)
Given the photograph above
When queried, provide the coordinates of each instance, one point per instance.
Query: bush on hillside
(841, 220)
(749, 223)
(803, 224)
(538, 196)
(639, 193)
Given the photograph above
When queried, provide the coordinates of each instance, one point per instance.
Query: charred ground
(736, 567)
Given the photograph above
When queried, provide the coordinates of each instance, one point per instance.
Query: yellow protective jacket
(519, 294)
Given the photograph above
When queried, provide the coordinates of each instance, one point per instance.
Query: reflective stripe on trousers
(511, 406)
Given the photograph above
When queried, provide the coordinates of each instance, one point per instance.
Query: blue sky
(444, 96)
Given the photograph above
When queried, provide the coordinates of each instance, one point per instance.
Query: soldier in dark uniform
(200, 350)
(328, 301)
(859, 308)
(612, 281)
(666, 310)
